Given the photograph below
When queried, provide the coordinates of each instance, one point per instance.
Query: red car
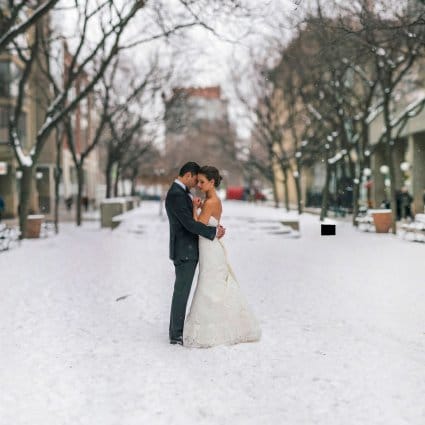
(241, 193)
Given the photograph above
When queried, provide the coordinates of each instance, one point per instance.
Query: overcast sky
(202, 57)
(208, 58)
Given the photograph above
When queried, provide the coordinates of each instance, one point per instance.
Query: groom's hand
(220, 231)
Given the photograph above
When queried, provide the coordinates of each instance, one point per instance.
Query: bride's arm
(195, 212)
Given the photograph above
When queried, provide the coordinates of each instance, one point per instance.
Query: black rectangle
(328, 230)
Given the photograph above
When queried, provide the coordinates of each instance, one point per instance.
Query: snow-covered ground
(343, 321)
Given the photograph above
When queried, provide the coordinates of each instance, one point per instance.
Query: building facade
(33, 116)
(10, 71)
(197, 128)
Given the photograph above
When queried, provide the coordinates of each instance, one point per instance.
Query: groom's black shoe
(178, 340)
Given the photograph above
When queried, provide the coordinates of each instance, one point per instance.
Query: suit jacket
(184, 230)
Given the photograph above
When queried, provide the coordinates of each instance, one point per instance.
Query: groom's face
(192, 180)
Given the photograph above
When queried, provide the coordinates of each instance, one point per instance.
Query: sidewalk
(84, 328)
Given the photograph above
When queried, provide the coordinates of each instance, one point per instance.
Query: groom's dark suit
(184, 231)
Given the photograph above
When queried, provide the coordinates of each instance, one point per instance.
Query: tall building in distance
(197, 128)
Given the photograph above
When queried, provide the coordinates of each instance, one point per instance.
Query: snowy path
(343, 322)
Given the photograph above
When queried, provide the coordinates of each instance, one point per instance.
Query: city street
(84, 328)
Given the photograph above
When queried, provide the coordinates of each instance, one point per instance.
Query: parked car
(236, 193)
(241, 193)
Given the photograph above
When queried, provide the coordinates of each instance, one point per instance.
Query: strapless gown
(219, 313)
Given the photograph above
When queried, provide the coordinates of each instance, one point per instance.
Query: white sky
(200, 57)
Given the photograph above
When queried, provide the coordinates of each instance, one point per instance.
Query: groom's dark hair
(191, 167)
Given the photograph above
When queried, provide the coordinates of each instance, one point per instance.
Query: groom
(184, 231)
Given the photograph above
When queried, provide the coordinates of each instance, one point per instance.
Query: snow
(84, 318)
(36, 216)
(314, 112)
(373, 113)
(379, 211)
(24, 160)
(114, 201)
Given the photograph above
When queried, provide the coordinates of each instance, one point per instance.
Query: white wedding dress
(219, 313)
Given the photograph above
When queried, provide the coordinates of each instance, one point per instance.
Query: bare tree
(91, 57)
(61, 101)
(394, 44)
(339, 87)
(265, 114)
(17, 17)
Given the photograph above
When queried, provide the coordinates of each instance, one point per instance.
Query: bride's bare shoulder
(213, 202)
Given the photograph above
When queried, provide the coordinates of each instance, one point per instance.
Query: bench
(293, 224)
(416, 227)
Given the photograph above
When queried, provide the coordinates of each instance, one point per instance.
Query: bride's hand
(221, 231)
(197, 202)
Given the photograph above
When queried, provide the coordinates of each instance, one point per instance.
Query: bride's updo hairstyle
(211, 173)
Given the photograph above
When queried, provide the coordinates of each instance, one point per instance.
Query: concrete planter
(109, 208)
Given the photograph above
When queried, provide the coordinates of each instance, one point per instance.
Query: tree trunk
(117, 179)
(393, 194)
(356, 193)
(108, 176)
(80, 184)
(276, 198)
(390, 163)
(285, 187)
(57, 176)
(325, 193)
(134, 174)
(24, 198)
(298, 190)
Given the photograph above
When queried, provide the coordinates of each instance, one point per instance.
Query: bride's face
(204, 184)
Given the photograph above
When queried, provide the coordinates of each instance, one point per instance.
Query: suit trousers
(185, 271)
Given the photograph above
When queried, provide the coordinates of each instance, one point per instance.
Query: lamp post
(405, 167)
(367, 172)
(384, 170)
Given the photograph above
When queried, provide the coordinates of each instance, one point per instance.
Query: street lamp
(405, 167)
(19, 174)
(367, 172)
(384, 170)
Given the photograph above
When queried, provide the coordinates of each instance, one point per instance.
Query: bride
(219, 313)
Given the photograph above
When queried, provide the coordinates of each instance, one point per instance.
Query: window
(4, 126)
